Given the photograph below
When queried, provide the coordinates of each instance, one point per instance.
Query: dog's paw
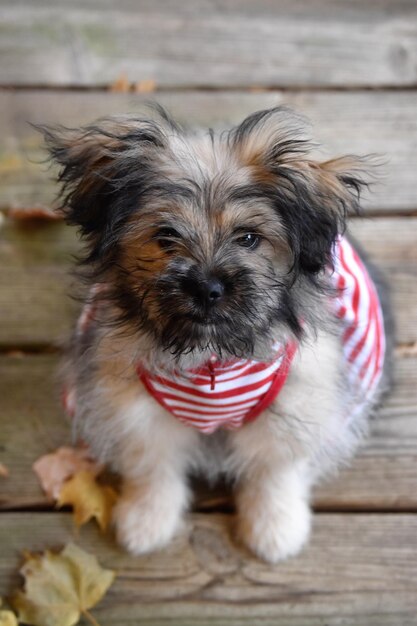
(275, 533)
(145, 524)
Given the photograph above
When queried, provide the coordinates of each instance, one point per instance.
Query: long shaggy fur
(162, 211)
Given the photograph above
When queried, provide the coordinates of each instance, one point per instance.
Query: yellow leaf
(61, 587)
(7, 618)
(88, 498)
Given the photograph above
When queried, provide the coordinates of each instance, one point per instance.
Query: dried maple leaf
(55, 468)
(7, 618)
(59, 588)
(88, 498)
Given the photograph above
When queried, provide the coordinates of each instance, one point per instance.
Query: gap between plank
(107, 87)
(228, 508)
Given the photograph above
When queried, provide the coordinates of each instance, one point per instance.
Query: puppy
(229, 326)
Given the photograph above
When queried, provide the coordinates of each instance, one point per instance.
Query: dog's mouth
(201, 319)
(191, 332)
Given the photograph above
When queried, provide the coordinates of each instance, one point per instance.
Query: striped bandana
(221, 394)
(230, 394)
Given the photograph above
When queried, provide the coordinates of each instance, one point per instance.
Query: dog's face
(205, 241)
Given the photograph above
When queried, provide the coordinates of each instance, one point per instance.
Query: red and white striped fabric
(222, 394)
(359, 310)
(229, 394)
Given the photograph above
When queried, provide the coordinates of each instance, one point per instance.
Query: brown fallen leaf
(15, 354)
(55, 468)
(4, 472)
(35, 214)
(11, 162)
(7, 618)
(257, 89)
(121, 84)
(145, 86)
(88, 498)
(407, 350)
(59, 588)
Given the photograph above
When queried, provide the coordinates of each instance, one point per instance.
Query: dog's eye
(166, 237)
(249, 240)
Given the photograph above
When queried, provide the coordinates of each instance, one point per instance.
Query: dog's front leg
(149, 511)
(154, 492)
(272, 497)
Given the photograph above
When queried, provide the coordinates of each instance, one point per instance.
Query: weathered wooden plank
(228, 44)
(34, 277)
(34, 283)
(32, 424)
(358, 570)
(383, 475)
(383, 123)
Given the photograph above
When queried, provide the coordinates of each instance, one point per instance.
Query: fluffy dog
(229, 326)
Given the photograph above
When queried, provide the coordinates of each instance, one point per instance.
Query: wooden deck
(352, 68)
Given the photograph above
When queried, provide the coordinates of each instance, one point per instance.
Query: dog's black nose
(214, 290)
(207, 291)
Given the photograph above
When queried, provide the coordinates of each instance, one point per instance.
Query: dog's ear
(312, 198)
(99, 161)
